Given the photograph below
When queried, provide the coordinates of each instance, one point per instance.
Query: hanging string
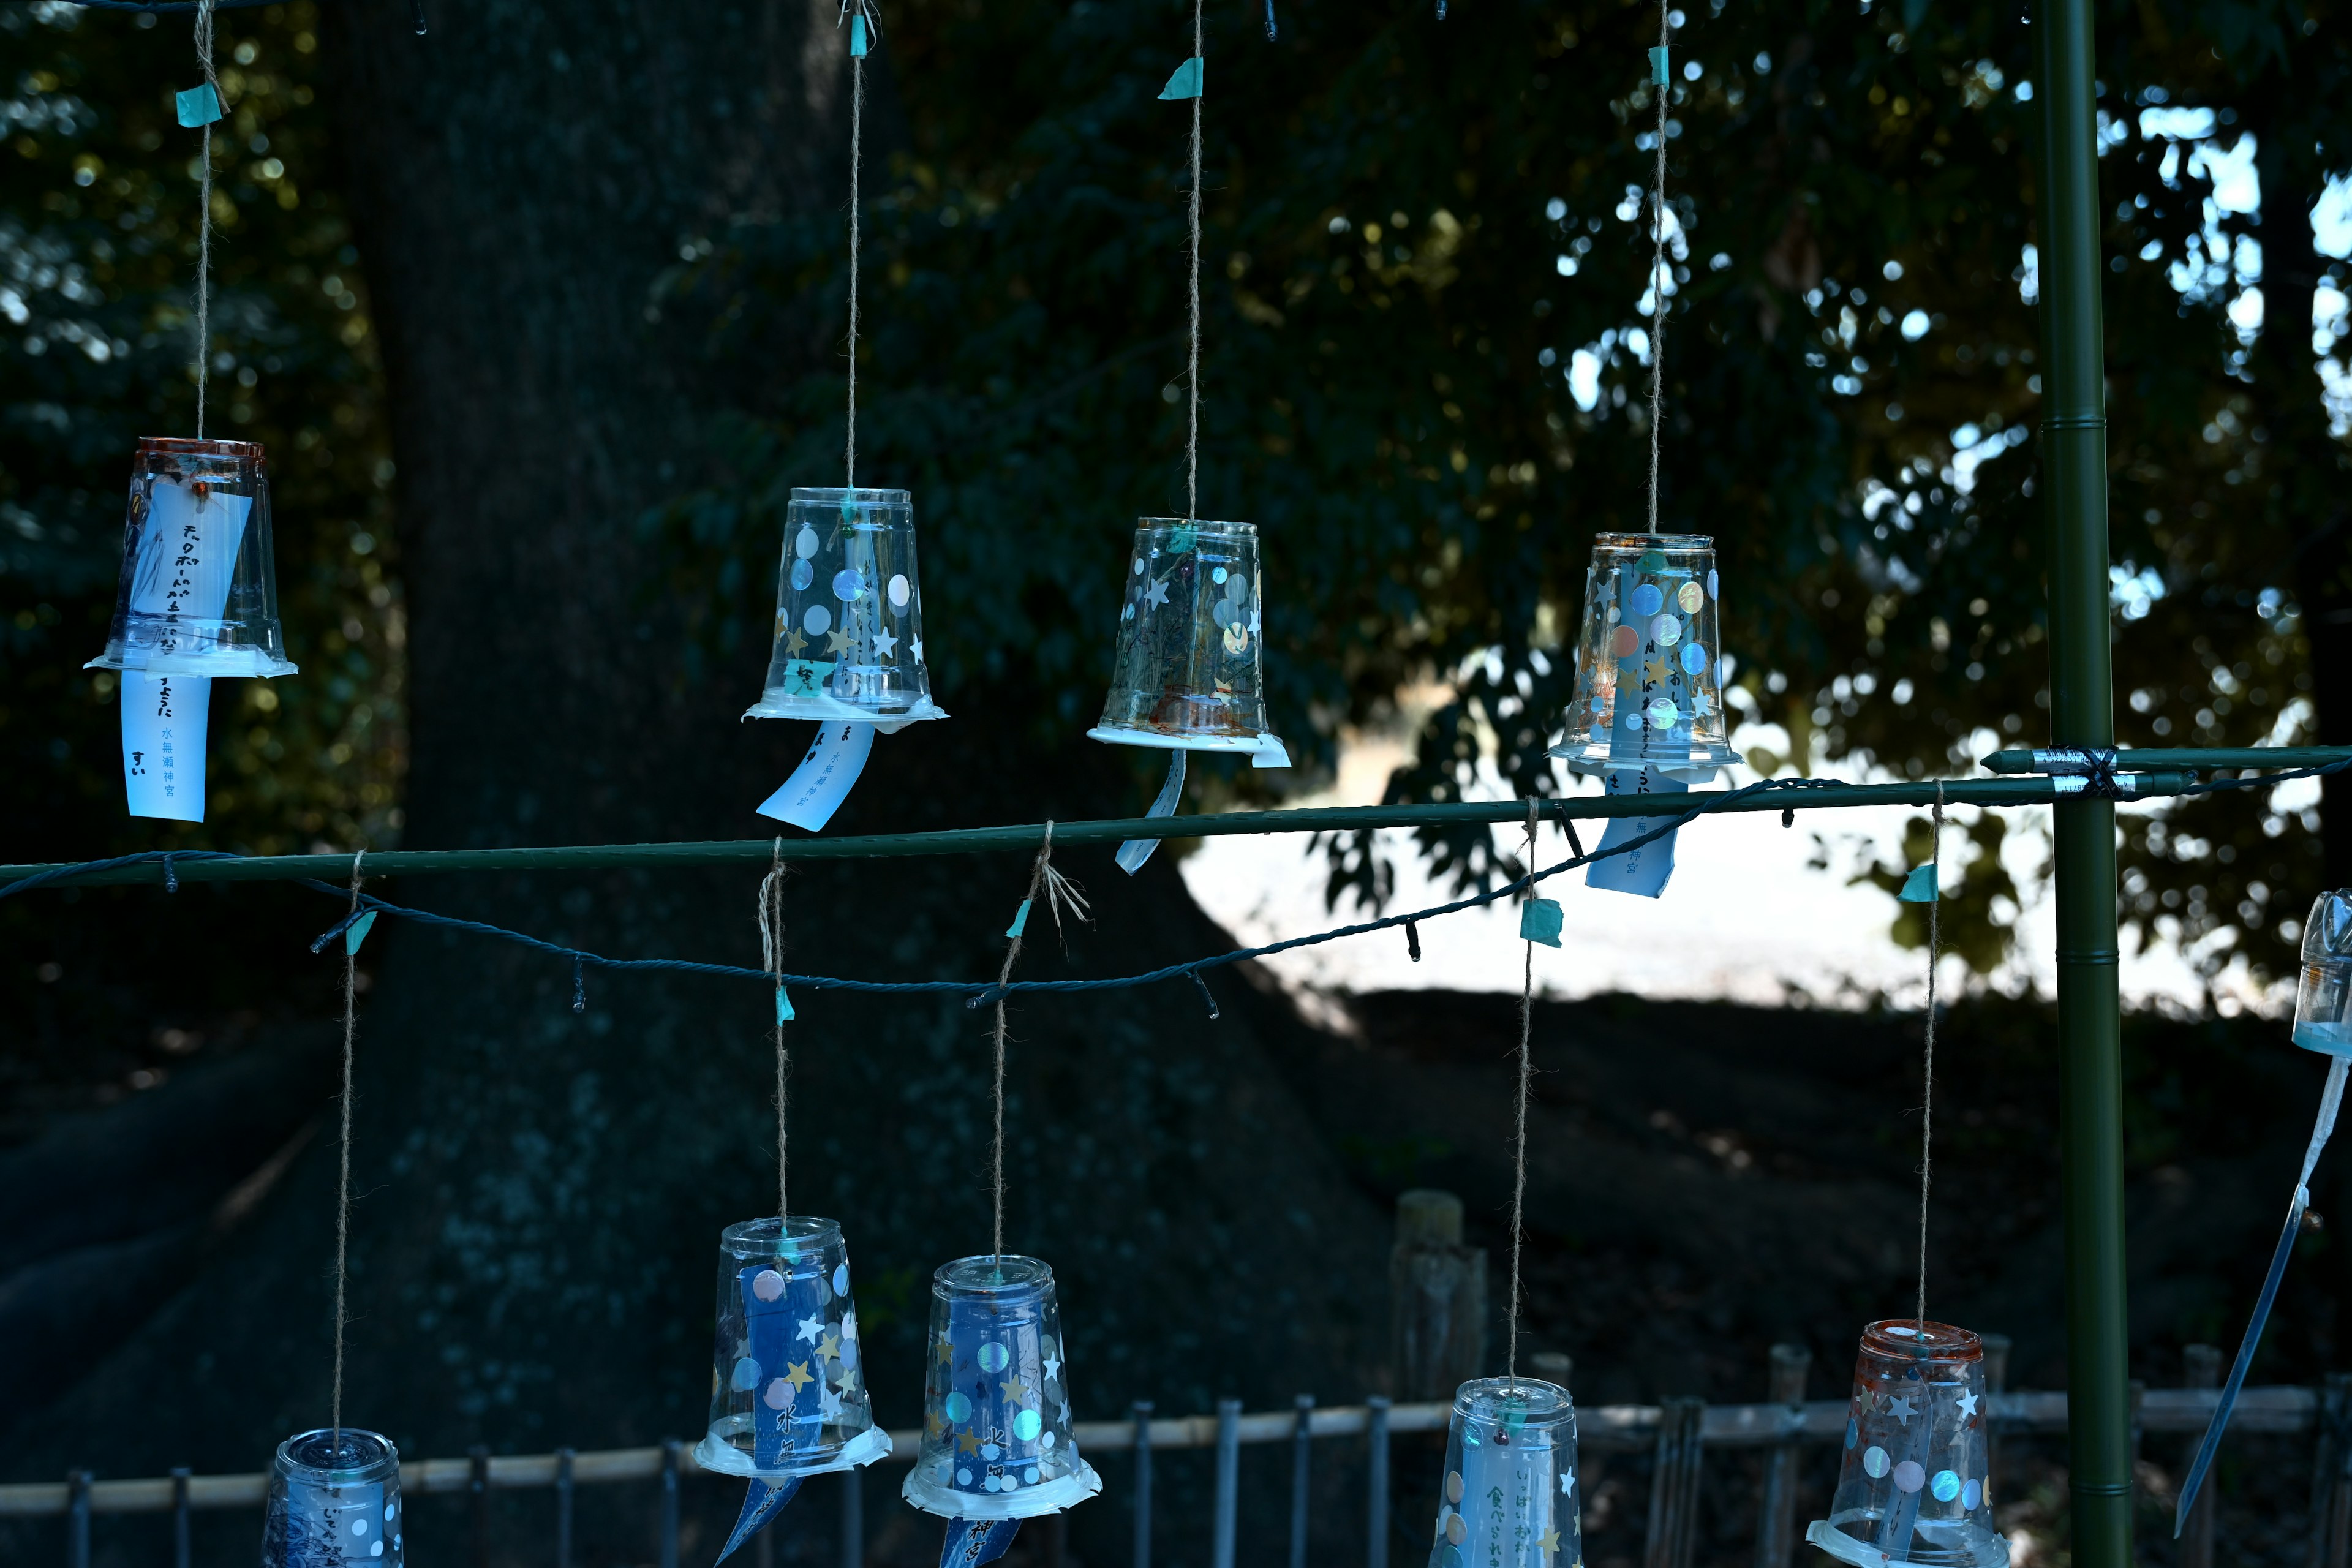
(856, 148)
(1527, 1081)
(771, 958)
(205, 216)
(1037, 880)
(1192, 365)
(1658, 275)
(1928, 1068)
(344, 1173)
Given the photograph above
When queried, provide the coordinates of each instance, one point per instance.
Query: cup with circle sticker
(334, 1503)
(1912, 1484)
(1649, 661)
(1508, 1499)
(848, 641)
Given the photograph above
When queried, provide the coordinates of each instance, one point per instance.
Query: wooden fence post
(1438, 1299)
(1674, 1484)
(1776, 1512)
(2331, 1473)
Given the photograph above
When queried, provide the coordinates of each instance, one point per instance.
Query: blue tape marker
(1658, 66)
(784, 1006)
(198, 106)
(1020, 921)
(356, 933)
(857, 38)
(1185, 83)
(1920, 887)
(1539, 921)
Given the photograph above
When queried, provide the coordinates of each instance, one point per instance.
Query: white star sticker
(1156, 594)
(916, 648)
(1967, 1405)
(811, 1328)
(1567, 1484)
(1902, 1412)
(849, 1327)
(884, 643)
(829, 1404)
(1052, 1367)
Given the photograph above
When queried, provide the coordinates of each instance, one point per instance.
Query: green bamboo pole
(2211, 759)
(2081, 712)
(1025, 838)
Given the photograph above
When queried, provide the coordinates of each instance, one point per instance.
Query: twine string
(1658, 275)
(204, 215)
(1193, 350)
(856, 148)
(343, 1163)
(1527, 1080)
(1927, 1067)
(771, 958)
(1038, 878)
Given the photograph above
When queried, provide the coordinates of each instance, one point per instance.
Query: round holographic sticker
(1690, 596)
(1694, 657)
(848, 586)
(804, 543)
(1945, 1486)
(817, 622)
(1667, 629)
(1874, 1462)
(1648, 599)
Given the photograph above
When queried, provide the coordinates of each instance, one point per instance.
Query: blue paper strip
(1920, 887)
(784, 1006)
(972, 1542)
(857, 38)
(1020, 919)
(1658, 65)
(1185, 83)
(1539, 921)
(1135, 851)
(356, 933)
(762, 1502)
(198, 106)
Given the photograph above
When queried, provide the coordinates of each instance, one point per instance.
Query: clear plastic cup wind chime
(1189, 673)
(2323, 1024)
(1648, 712)
(1912, 1485)
(198, 597)
(788, 1396)
(849, 642)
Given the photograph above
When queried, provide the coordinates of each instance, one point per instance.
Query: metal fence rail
(1677, 1433)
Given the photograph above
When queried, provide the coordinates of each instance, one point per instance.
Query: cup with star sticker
(1911, 1487)
(849, 613)
(788, 1379)
(1188, 674)
(1649, 662)
(334, 1503)
(1509, 1498)
(998, 1441)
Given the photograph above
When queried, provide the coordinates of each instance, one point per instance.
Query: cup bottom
(716, 1454)
(935, 1497)
(1934, 1544)
(1265, 748)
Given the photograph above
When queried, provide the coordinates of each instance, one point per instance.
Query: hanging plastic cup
(1509, 1500)
(1911, 1488)
(849, 614)
(997, 1439)
(334, 1503)
(788, 1392)
(198, 594)
(1649, 684)
(2322, 995)
(1188, 674)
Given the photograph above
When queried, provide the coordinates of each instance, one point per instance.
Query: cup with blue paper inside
(1647, 713)
(334, 1503)
(1508, 1499)
(849, 646)
(788, 1395)
(997, 1442)
(196, 600)
(1189, 671)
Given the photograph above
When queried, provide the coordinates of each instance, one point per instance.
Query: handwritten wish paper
(165, 718)
(1642, 872)
(187, 554)
(823, 781)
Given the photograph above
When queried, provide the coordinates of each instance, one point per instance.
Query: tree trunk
(541, 1193)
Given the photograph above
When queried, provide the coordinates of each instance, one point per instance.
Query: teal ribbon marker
(857, 37)
(1186, 82)
(1539, 921)
(1020, 921)
(356, 933)
(784, 1006)
(198, 106)
(1920, 887)
(1658, 66)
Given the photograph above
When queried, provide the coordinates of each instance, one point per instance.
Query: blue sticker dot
(963, 1477)
(1853, 1432)
(1945, 1486)
(747, 1375)
(803, 574)
(1694, 657)
(1971, 1495)
(817, 622)
(1647, 599)
(847, 584)
(959, 1408)
(841, 1280)
(1027, 1424)
(993, 1357)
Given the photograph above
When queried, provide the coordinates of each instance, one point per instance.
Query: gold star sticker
(836, 641)
(794, 643)
(1549, 1541)
(946, 1353)
(935, 1424)
(1015, 1391)
(799, 1377)
(829, 1347)
(968, 1442)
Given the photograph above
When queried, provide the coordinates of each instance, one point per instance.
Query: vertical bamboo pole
(2082, 709)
